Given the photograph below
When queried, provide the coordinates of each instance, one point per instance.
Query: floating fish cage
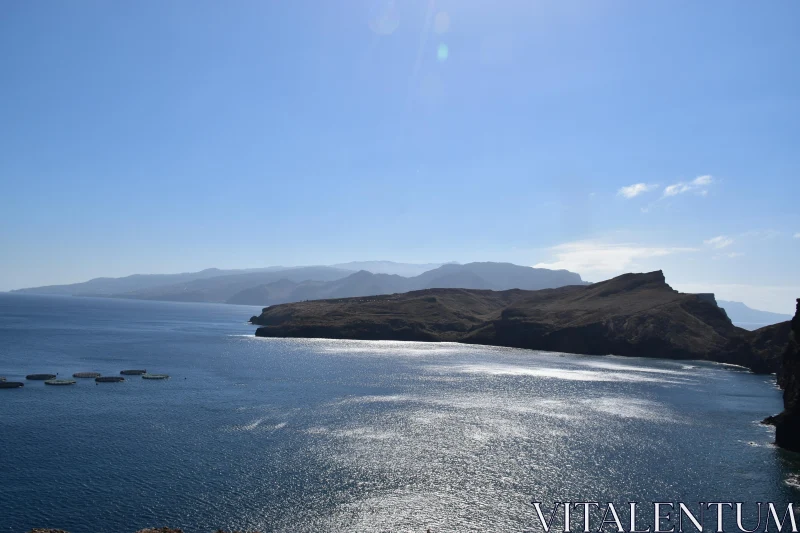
(155, 376)
(60, 382)
(109, 379)
(86, 375)
(40, 377)
(133, 372)
(11, 384)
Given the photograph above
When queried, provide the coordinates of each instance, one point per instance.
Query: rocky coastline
(631, 315)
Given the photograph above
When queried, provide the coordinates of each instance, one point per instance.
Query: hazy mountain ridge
(742, 314)
(276, 285)
(494, 276)
(221, 288)
(406, 270)
(105, 286)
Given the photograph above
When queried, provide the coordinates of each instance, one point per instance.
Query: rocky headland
(630, 315)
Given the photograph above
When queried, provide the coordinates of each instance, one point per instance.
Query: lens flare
(442, 53)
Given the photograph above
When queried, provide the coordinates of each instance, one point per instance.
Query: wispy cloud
(797, 235)
(632, 191)
(604, 258)
(699, 185)
(730, 255)
(719, 242)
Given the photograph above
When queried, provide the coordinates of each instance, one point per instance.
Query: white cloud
(719, 242)
(699, 185)
(797, 235)
(735, 254)
(604, 258)
(632, 191)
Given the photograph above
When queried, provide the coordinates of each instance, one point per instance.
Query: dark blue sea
(344, 436)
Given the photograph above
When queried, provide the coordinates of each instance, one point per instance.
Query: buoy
(40, 377)
(86, 375)
(109, 379)
(60, 382)
(133, 372)
(11, 384)
(155, 376)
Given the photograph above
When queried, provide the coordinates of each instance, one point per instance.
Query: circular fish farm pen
(11, 384)
(155, 376)
(133, 372)
(109, 379)
(86, 375)
(40, 377)
(60, 382)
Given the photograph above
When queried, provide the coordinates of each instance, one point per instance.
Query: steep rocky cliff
(787, 424)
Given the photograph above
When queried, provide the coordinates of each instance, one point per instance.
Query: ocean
(351, 436)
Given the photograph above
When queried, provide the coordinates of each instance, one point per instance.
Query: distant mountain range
(494, 276)
(390, 267)
(279, 284)
(749, 318)
(269, 286)
(109, 286)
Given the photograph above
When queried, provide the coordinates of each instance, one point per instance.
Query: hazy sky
(600, 136)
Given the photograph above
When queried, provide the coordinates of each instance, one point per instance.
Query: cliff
(631, 315)
(787, 424)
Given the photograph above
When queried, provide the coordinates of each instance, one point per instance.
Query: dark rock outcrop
(631, 315)
(787, 424)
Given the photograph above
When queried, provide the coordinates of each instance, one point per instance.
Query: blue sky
(597, 136)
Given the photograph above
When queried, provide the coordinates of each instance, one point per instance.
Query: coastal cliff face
(632, 315)
(787, 424)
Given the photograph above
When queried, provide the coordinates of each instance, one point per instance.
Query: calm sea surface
(318, 435)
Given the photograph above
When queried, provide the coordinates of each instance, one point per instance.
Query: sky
(599, 136)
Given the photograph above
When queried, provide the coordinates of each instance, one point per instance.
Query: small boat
(2, 379)
(11, 384)
(86, 375)
(60, 382)
(109, 379)
(155, 376)
(40, 377)
(133, 372)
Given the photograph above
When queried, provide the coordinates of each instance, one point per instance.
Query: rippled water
(319, 435)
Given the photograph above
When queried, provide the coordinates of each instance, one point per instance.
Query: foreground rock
(631, 315)
(787, 424)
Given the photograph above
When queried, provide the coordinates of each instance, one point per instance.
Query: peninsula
(630, 315)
